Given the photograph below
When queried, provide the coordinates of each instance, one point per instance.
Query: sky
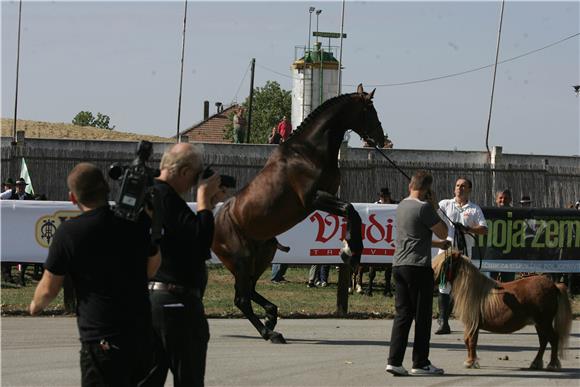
(123, 59)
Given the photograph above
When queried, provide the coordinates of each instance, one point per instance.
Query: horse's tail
(563, 319)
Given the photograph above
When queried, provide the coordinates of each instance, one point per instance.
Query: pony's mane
(476, 296)
(314, 114)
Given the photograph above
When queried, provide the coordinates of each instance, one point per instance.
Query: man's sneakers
(427, 370)
(397, 370)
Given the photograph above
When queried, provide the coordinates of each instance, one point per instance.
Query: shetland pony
(482, 303)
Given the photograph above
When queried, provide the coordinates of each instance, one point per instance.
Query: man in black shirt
(109, 260)
(176, 291)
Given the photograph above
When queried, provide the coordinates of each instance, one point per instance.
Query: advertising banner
(519, 240)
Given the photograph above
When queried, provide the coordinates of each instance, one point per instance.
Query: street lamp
(310, 10)
(318, 12)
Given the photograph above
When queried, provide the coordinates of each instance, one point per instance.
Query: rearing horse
(300, 176)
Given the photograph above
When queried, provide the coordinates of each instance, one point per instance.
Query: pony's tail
(563, 319)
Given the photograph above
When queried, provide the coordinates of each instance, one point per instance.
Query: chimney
(205, 110)
(219, 107)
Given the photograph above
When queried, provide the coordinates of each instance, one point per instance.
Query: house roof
(213, 129)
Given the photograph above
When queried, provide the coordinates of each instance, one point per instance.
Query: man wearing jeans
(417, 220)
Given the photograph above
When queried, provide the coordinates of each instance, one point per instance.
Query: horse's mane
(476, 296)
(314, 115)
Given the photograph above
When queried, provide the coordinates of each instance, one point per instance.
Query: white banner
(28, 227)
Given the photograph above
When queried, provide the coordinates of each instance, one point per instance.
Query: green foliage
(86, 118)
(270, 104)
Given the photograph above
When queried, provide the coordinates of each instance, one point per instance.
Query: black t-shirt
(107, 259)
(186, 241)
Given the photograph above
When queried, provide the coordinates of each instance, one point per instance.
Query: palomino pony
(300, 176)
(482, 303)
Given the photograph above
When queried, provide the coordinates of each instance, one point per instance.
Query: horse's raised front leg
(244, 287)
(471, 344)
(353, 248)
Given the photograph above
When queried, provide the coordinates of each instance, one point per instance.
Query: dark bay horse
(482, 303)
(300, 176)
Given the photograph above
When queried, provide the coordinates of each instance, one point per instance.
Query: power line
(447, 75)
(235, 98)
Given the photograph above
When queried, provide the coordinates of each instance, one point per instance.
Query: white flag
(24, 174)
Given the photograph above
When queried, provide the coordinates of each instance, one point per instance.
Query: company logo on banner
(46, 226)
(377, 230)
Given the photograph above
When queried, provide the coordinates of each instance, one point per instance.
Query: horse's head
(369, 127)
(449, 263)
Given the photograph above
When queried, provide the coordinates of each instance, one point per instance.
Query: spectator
(384, 198)
(417, 220)
(284, 128)
(239, 126)
(176, 291)
(278, 272)
(502, 199)
(109, 260)
(467, 217)
(20, 192)
(275, 136)
(7, 186)
(318, 276)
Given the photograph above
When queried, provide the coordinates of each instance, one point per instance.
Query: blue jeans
(318, 273)
(278, 271)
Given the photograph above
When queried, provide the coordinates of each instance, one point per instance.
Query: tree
(270, 104)
(86, 118)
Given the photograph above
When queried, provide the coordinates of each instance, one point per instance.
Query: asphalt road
(323, 352)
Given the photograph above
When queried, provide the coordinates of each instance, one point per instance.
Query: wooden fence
(549, 186)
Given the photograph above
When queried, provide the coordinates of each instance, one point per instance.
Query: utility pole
(251, 99)
(17, 68)
(178, 137)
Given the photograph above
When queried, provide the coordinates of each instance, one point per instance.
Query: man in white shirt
(460, 211)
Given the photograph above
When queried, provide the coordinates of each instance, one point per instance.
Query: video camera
(137, 178)
(226, 180)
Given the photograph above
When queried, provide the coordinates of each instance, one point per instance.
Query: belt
(174, 288)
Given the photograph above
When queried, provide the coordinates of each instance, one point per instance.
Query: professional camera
(226, 181)
(137, 178)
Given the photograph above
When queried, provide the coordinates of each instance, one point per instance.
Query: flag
(24, 174)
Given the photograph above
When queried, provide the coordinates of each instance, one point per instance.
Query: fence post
(344, 269)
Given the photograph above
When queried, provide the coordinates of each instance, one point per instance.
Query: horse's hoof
(536, 365)
(471, 364)
(277, 338)
(554, 366)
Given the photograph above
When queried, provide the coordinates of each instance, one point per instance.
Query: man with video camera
(176, 291)
(109, 260)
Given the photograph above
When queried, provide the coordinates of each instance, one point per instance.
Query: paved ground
(322, 352)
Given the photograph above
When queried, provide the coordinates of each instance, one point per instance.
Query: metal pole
(251, 99)
(340, 54)
(17, 68)
(178, 137)
(493, 84)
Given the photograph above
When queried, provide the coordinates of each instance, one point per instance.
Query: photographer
(176, 291)
(109, 260)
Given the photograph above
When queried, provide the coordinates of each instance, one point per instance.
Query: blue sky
(123, 59)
